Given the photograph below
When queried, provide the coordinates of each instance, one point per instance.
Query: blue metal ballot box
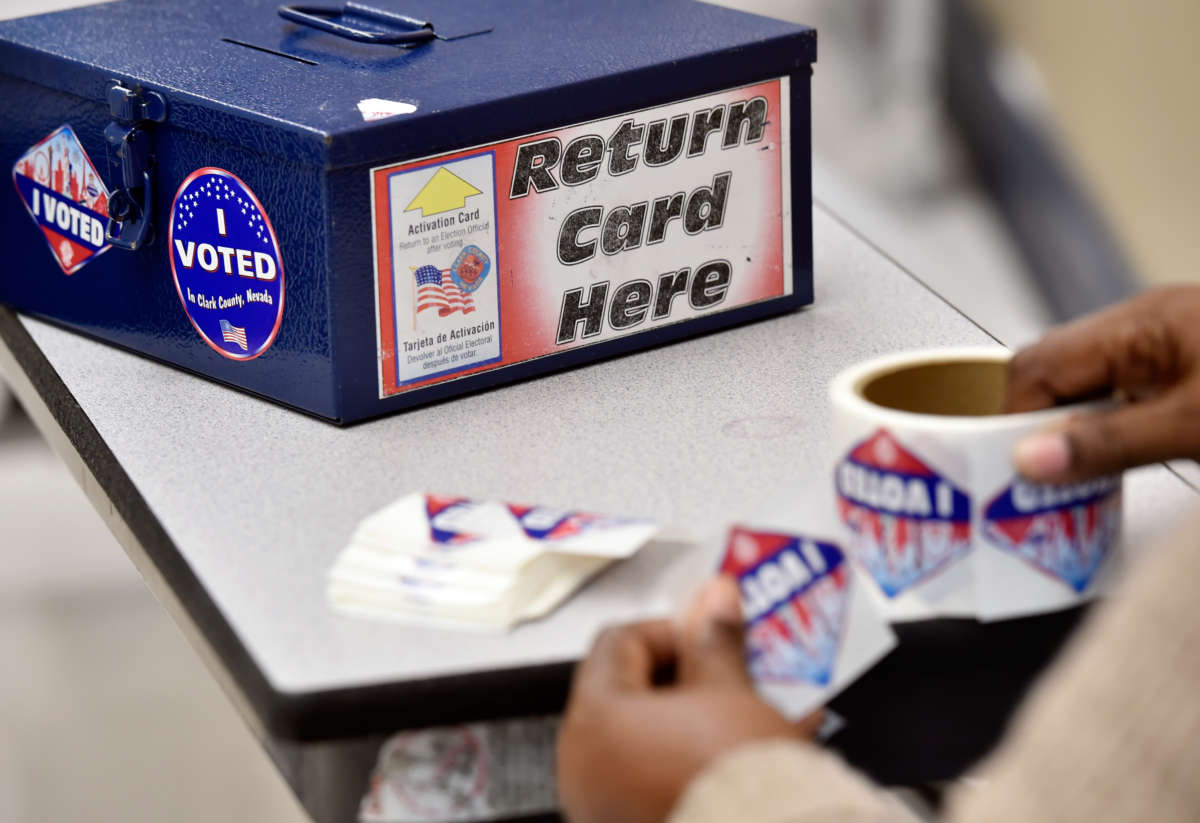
(354, 209)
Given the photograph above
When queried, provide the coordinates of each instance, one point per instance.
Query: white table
(234, 508)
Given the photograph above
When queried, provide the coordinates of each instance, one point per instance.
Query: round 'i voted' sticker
(226, 263)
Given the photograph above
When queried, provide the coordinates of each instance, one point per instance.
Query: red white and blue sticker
(227, 264)
(66, 198)
(795, 597)
(509, 533)
(456, 520)
(542, 523)
(908, 521)
(1063, 531)
(450, 518)
(470, 268)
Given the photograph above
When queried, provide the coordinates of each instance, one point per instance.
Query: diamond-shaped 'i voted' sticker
(907, 520)
(794, 601)
(541, 523)
(450, 518)
(581, 533)
(66, 198)
(1063, 531)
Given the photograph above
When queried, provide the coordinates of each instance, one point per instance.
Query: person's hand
(627, 747)
(1146, 351)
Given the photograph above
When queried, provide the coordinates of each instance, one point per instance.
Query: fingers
(807, 727)
(707, 648)
(1093, 445)
(1133, 346)
(711, 646)
(625, 657)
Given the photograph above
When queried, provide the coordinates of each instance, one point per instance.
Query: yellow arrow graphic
(445, 191)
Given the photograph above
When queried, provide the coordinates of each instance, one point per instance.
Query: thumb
(1104, 443)
(711, 646)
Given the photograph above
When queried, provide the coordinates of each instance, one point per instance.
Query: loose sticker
(1063, 531)
(794, 600)
(66, 198)
(908, 521)
(431, 776)
(227, 264)
(515, 250)
(485, 771)
(375, 108)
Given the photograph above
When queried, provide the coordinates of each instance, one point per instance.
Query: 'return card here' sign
(512, 251)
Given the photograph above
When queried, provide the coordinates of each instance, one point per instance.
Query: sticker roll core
(932, 506)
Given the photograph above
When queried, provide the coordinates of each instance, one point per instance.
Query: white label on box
(504, 253)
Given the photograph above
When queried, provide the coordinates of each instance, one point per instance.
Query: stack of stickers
(450, 562)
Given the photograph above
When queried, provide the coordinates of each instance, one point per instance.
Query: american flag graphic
(436, 290)
(233, 334)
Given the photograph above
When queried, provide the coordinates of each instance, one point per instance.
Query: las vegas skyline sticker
(66, 197)
(226, 262)
(810, 628)
(794, 601)
(1065, 532)
(908, 521)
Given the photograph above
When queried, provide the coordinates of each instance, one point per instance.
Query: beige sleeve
(784, 782)
(1113, 731)
(1111, 734)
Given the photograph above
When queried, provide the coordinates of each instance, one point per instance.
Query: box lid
(237, 70)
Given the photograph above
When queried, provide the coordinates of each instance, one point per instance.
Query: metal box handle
(327, 18)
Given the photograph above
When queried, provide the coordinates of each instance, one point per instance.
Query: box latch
(131, 205)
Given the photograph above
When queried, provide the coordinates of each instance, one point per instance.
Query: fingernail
(1042, 456)
(722, 601)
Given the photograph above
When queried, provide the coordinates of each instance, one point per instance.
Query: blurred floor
(105, 711)
(106, 714)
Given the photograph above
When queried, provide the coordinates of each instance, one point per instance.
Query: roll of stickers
(932, 505)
